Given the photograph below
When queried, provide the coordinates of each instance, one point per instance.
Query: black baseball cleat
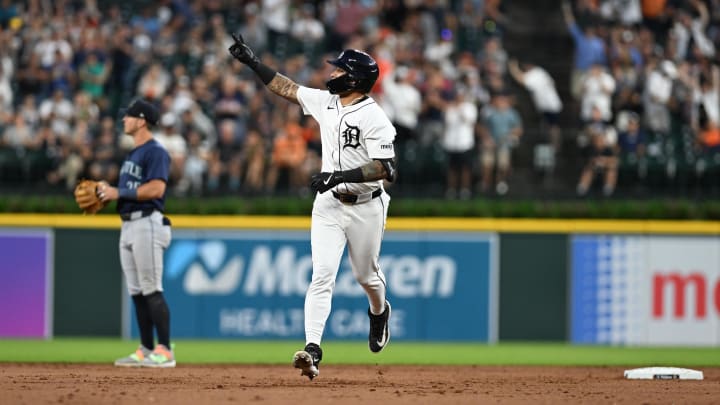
(308, 360)
(379, 329)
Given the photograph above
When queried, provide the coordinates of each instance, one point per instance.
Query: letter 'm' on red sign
(680, 284)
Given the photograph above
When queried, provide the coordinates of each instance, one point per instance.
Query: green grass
(86, 350)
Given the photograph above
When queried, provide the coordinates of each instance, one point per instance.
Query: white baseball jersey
(351, 136)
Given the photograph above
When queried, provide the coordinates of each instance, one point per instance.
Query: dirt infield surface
(239, 384)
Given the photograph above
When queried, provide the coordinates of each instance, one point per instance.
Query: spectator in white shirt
(627, 12)
(174, 143)
(196, 165)
(6, 79)
(544, 94)
(154, 83)
(597, 89)
(58, 111)
(440, 52)
(17, 134)
(53, 42)
(656, 96)
(707, 97)
(307, 31)
(686, 29)
(403, 103)
(460, 117)
(276, 16)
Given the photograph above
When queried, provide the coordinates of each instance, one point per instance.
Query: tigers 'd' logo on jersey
(351, 136)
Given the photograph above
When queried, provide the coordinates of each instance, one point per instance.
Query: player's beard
(341, 85)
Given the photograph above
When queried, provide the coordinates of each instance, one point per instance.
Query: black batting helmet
(362, 72)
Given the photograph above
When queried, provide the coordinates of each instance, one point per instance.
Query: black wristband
(264, 72)
(353, 176)
(127, 193)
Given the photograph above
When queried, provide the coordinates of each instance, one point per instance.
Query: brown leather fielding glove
(86, 196)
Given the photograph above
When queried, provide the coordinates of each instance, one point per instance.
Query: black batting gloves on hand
(322, 182)
(240, 51)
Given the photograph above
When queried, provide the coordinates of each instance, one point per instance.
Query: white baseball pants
(335, 224)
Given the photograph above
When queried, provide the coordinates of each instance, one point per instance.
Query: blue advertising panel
(252, 285)
(584, 301)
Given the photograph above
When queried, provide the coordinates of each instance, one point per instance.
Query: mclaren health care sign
(646, 290)
(251, 285)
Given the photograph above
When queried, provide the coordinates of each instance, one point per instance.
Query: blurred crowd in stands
(644, 84)
(647, 81)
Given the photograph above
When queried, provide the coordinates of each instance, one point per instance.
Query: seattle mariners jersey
(147, 162)
(351, 136)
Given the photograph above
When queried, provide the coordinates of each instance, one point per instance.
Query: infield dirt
(242, 384)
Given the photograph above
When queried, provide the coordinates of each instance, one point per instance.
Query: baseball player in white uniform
(357, 155)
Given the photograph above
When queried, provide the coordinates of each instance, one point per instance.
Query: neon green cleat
(161, 357)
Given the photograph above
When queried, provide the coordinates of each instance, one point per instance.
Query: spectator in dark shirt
(632, 141)
(601, 159)
(225, 166)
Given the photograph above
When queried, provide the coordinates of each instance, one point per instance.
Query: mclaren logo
(205, 267)
(222, 267)
(351, 136)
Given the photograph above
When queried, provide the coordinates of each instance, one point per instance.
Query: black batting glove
(324, 181)
(242, 52)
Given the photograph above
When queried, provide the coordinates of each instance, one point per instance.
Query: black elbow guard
(390, 170)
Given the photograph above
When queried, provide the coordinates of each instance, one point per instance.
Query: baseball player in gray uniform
(145, 234)
(357, 155)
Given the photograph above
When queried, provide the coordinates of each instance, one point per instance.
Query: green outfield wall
(87, 283)
(533, 287)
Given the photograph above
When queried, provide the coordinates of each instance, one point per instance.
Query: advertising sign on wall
(25, 283)
(640, 290)
(252, 285)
